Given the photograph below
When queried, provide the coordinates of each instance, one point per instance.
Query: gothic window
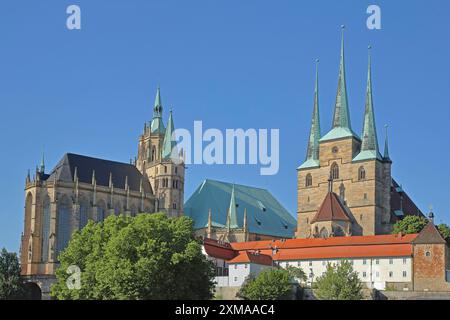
(28, 205)
(101, 209)
(338, 232)
(84, 212)
(361, 174)
(153, 153)
(308, 180)
(165, 169)
(45, 229)
(174, 205)
(176, 170)
(63, 232)
(117, 208)
(334, 171)
(323, 233)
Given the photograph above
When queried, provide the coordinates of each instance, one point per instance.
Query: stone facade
(367, 195)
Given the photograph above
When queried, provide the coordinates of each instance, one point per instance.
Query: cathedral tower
(159, 160)
(357, 171)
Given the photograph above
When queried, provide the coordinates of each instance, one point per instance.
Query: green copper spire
(42, 166)
(312, 154)
(386, 144)
(169, 144)
(232, 215)
(369, 146)
(341, 119)
(157, 125)
(341, 116)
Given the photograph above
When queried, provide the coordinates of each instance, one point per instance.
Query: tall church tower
(351, 166)
(159, 160)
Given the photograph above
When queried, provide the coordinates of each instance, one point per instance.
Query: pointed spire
(232, 214)
(386, 144)
(110, 184)
(157, 125)
(126, 182)
(93, 178)
(158, 98)
(341, 116)
(168, 143)
(369, 134)
(314, 133)
(209, 222)
(75, 174)
(312, 153)
(42, 166)
(28, 178)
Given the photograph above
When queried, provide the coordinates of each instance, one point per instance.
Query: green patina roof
(338, 133)
(312, 154)
(265, 215)
(341, 117)
(157, 125)
(168, 143)
(369, 145)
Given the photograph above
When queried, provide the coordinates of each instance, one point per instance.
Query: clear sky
(231, 64)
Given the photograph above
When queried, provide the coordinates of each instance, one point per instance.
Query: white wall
(238, 272)
(372, 271)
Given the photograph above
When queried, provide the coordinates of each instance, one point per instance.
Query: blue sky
(231, 64)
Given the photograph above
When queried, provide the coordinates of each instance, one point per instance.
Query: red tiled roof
(390, 250)
(331, 209)
(248, 257)
(218, 249)
(324, 242)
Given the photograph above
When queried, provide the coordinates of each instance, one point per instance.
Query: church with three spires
(345, 185)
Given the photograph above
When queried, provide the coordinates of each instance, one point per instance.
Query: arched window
(117, 208)
(334, 171)
(101, 209)
(308, 180)
(338, 232)
(361, 173)
(133, 211)
(84, 212)
(45, 228)
(27, 226)
(323, 233)
(153, 153)
(63, 232)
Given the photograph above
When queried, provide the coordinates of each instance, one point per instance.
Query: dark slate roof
(265, 215)
(65, 169)
(401, 203)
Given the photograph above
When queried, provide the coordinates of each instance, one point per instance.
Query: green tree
(270, 284)
(11, 285)
(149, 256)
(445, 231)
(410, 224)
(339, 282)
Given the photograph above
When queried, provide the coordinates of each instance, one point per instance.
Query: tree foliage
(11, 285)
(339, 282)
(409, 225)
(270, 284)
(445, 231)
(149, 256)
